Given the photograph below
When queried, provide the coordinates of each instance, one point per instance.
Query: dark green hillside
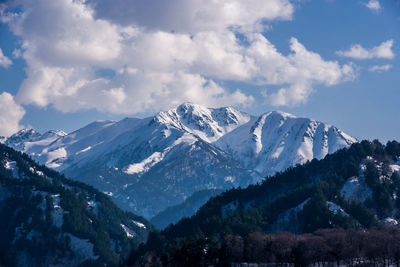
(352, 188)
(47, 219)
(186, 209)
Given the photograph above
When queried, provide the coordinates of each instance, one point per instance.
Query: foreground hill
(147, 165)
(352, 188)
(47, 219)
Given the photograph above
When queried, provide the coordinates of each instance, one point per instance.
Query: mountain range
(148, 165)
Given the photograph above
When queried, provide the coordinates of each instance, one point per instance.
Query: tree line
(329, 247)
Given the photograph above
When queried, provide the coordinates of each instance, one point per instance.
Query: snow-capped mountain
(209, 124)
(277, 140)
(149, 164)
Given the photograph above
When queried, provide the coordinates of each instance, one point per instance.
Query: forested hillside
(186, 209)
(47, 219)
(353, 188)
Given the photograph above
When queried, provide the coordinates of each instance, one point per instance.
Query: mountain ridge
(232, 148)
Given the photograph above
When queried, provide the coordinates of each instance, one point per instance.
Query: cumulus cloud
(191, 16)
(152, 67)
(305, 68)
(384, 50)
(380, 68)
(373, 5)
(5, 62)
(11, 114)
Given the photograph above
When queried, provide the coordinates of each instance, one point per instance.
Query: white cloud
(11, 114)
(5, 62)
(153, 67)
(303, 69)
(191, 16)
(380, 68)
(374, 5)
(384, 50)
(17, 53)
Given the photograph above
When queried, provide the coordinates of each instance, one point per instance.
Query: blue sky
(124, 60)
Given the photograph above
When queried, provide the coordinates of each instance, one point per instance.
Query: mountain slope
(147, 165)
(278, 140)
(166, 177)
(186, 209)
(50, 220)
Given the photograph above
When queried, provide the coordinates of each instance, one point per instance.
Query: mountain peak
(207, 123)
(25, 134)
(282, 114)
(55, 133)
(188, 105)
(19, 139)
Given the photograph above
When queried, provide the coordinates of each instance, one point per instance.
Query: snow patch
(57, 212)
(12, 166)
(336, 209)
(305, 150)
(54, 158)
(129, 232)
(391, 221)
(395, 168)
(229, 179)
(139, 224)
(56, 201)
(355, 189)
(93, 206)
(278, 152)
(33, 170)
(84, 150)
(257, 133)
(146, 164)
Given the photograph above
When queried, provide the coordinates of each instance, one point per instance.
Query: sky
(65, 63)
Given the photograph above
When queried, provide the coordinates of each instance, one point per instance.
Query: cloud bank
(157, 58)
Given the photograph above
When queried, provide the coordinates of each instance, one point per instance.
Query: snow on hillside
(269, 143)
(336, 209)
(156, 157)
(207, 123)
(355, 188)
(180, 151)
(277, 140)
